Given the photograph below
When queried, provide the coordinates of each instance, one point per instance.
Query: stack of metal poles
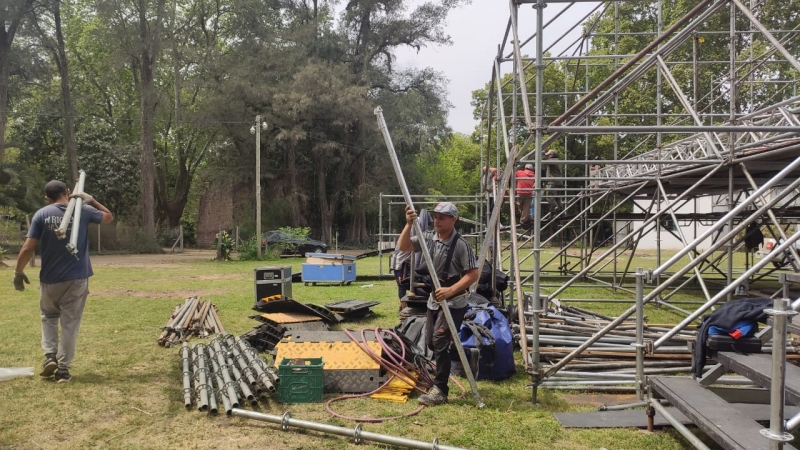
(226, 369)
(608, 365)
(191, 318)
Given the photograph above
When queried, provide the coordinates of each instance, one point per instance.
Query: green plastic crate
(300, 383)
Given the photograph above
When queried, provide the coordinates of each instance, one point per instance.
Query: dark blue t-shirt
(57, 263)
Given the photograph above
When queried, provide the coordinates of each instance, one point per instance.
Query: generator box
(329, 268)
(271, 281)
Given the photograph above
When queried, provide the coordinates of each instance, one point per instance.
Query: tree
(55, 44)
(12, 12)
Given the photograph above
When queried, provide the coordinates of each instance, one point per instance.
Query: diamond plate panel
(326, 336)
(337, 355)
(290, 317)
(351, 381)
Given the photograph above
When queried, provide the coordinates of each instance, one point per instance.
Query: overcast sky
(476, 30)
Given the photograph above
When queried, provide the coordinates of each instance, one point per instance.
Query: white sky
(476, 30)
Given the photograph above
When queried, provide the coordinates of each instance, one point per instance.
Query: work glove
(19, 278)
(84, 196)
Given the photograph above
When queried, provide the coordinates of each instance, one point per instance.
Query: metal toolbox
(329, 268)
(270, 281)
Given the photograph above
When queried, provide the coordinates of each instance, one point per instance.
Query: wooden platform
(758, 368)
(728, 425)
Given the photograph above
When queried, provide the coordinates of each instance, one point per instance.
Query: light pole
(256, 129)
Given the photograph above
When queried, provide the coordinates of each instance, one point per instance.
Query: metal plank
(758, 367)
(637, 417)
(720, 420)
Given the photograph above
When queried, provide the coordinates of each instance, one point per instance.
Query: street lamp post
(256, 129)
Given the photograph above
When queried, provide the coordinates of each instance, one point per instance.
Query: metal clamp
(435, 444)
(285, 421)
(357, 434)
(780, 437)
(778, 312)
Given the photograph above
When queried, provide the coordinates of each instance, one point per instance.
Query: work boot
(63, 376)
(49, 365)
(434, 397)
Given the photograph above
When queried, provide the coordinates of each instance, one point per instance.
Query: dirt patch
(173, 295)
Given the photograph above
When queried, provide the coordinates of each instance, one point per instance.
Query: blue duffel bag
(485, 328)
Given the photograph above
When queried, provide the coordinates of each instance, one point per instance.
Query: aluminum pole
(356, 433)
(776, 432)
(258, 186)
(427, 256)
(61, 231)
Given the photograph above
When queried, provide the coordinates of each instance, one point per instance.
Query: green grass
(126, 390)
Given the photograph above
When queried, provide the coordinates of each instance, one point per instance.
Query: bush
(248, 251)
(143, 243)
(224, 245)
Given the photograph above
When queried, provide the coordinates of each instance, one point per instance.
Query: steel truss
(719, 144)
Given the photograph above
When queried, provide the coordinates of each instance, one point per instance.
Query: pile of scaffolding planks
(193, 317)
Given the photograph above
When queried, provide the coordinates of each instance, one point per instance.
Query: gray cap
(529, 166)
(53, 189)
(446, 208)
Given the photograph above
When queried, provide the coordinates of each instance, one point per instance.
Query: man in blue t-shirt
(63, 278)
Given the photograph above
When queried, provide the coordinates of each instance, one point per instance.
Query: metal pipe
(61, 231)
(221, 368)
(187, 375)
(356, 433)
(688, 129)
(72, 247)
(776, 433)
(679, 427)
(226, 402)
(639, 345)
(201, 375)
(237, 377)
(428, 260)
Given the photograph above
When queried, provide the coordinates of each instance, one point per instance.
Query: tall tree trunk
(6, 38)
(4, 75)
(66, 97)
(150, 43)
(325, 208)
(295, 214)
(357, 233)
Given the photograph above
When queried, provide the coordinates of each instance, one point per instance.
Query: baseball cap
(446, 208)
(54, 188)
(529, 166)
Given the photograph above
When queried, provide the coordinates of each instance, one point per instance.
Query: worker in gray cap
(457, 268)
(63, 278)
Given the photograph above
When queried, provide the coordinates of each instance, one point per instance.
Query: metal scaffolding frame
(737, 141)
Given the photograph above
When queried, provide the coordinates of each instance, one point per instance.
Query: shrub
(224, 245)
(248, 251)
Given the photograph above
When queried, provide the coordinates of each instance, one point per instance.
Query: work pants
(525, 209)
(439, 340)
(62, 303)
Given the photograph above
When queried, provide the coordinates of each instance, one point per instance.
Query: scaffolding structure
(653, 111)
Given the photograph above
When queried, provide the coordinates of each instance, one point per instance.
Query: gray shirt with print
(463, 260)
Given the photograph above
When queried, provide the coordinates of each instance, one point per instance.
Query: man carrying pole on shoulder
(64, 275)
